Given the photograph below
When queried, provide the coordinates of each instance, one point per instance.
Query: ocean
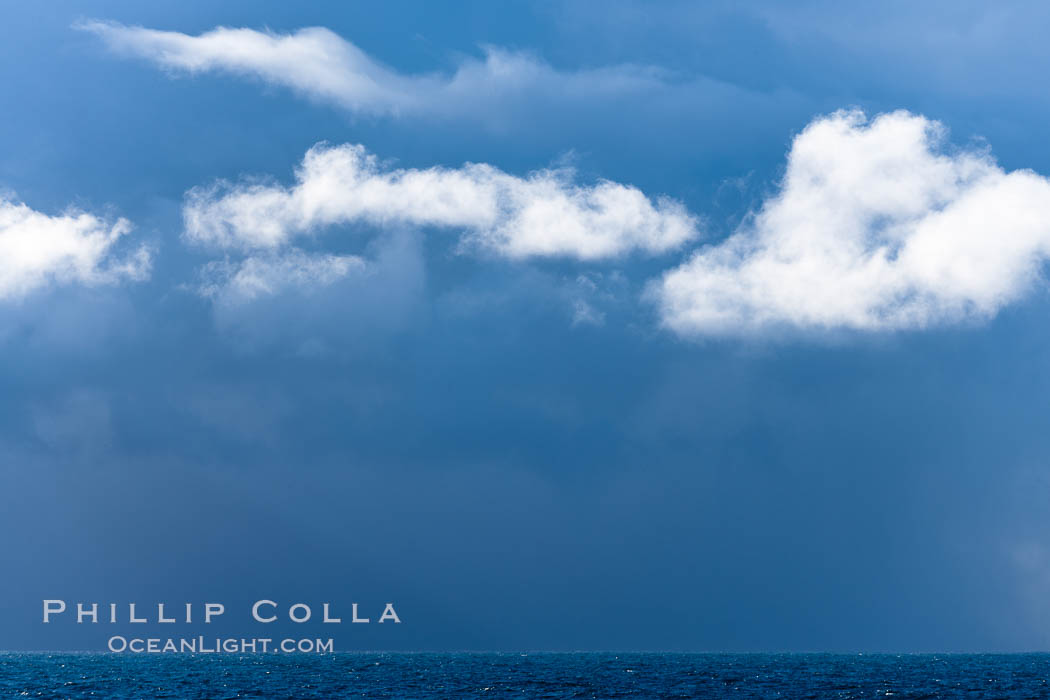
(524, 675)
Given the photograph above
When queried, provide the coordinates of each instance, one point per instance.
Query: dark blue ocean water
(577, 675)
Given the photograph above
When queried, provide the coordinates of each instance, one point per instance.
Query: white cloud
(233, 283)
(542, 214)
(878, 225)
(321, 65)
(37, 250)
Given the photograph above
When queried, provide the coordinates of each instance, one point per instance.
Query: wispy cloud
(321, 65)
(231, 283)
(878, 225)
(541, 214)
(315, 302)
(37, 250)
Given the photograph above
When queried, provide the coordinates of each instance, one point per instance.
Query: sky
(632, 326)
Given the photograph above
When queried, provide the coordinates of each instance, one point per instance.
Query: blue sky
(733, 338)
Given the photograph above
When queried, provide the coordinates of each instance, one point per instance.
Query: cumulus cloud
(542, 214)
(232, 283)
(37, 250)
(878, 225)
(319, 64)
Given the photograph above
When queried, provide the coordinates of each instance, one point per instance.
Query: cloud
(321, 65)
(238, 282)
(315, 303)
(877, 226)
(543, 214)
(38, 250)
(583, 314)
